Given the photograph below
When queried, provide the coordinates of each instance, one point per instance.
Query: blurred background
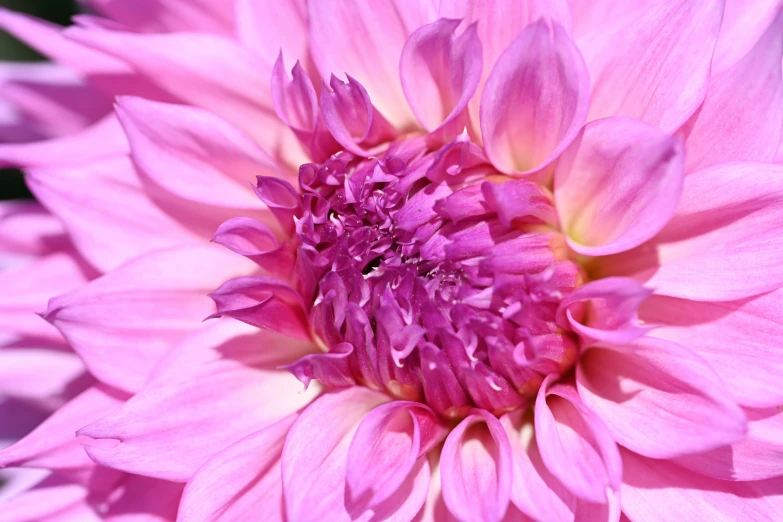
(59, 11)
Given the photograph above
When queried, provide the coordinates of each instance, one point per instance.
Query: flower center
(432, 278)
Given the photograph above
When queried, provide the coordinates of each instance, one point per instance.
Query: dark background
(59, 11)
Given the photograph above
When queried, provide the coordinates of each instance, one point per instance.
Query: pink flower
(523, 258)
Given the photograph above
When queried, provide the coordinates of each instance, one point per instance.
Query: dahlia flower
(476, 261)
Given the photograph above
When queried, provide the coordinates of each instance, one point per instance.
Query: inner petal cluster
(432, 277)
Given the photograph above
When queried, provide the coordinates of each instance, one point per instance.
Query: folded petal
(124, 322)
(229, 486)
(440, 73)
(725, 230)
(239, 361)
(535, 100)
(255, 241)
(661, 75)
(659, 491)
(477, 468)
(536, 492)
(739, 339)
(314, 475)
(385, 448)
(742, 116)
(383, 28)
(659, 399)
(106, 210)
(617, 185)
(264, 302)
(575, 444)
(758, 456)
(207, 71)
(605, 311)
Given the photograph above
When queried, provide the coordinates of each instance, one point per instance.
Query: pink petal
(659, 399)
(519, 201)
(658, 491)
(661, 74)
(231, 487)
(218, 386)
(27, 289)
(314, 474)
(440, 73)
(99, 141)
(163, 16)
(52, 444)
(194, 154)
(206, 71)
(40, 371)
(254, 240)
(499, 22)
(52, 100)
(382, 28)
(728, 218)
(742, 117)
(106, 211)
(62, 502)
(744, 21)
(535, 100)
(739, 339)
(152, 500)
(476, 469)
(264, 302)
(27, 229)
(287, 33)
(141, 310)
(605, 311)
(103, 71)
(617, 185)
(536, 491)
(385, 448)
(575, 444)
(757, 457)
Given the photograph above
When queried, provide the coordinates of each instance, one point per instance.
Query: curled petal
(476, 469)
(617, 185)
(440, 73)
(535, 100)
(254, 240)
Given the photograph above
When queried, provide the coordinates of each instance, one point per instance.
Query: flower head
(522, 257)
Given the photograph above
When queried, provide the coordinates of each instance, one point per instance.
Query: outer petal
(535, 100)
(207, 71)
(27, 229)
(658, 491)
(605, 311)
(163, 16)
(617, 185)
(742, 117)
(759, 456)
(741, 340)
(387, 444)
(124, 322)
(231, 487)
(314, 474)
(440, 73)
(63, 502)
(106, 211)
(194, 154)
(218, 386)
(383, 27)
(661, 74)
(659, 399)
(477, 468)
(744, 21)
(575, 445)
(269, 26)
(536, 491)
(728, 219)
